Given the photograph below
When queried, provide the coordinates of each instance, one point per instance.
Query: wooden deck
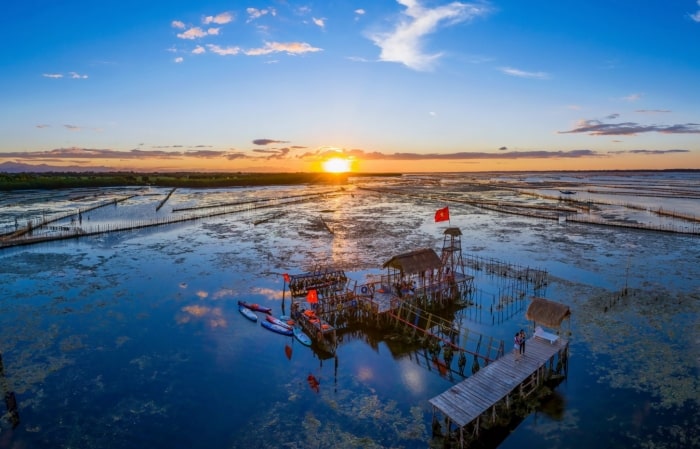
(465, 402)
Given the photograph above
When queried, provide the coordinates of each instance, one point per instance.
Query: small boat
(276, 328)
(277, 321)
(567, 192)
(301, 336)
(246, 312)
(255, 307)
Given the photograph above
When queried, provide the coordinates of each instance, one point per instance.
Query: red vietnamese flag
(312, 297)
(442, 214)
(286, 278)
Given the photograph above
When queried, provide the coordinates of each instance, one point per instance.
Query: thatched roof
(454, 232)
(546, 312)
(414, 262)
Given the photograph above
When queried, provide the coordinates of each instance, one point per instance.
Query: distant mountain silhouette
(18, 167)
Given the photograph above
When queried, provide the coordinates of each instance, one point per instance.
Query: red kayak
(255, 307)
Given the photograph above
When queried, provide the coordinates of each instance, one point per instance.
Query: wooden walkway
(465, 402)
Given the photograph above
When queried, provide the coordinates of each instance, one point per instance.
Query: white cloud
(198, 50)
(72, 75)
(223, 51)
(632, 97)
(255, 13)
(523, 74)
(197, 32)
(177, 24)
(219, 19)
(179, 59)
(696, 16)
(192, 33)
(404, 44)
(360, 12)
(321, 23)
(357, 59)
(283, 47)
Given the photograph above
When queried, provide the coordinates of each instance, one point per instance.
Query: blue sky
(407, 85)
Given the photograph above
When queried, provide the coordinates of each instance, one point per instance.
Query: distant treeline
(61, 180)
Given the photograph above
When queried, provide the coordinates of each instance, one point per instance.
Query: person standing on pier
(516, 346)
(523, 337)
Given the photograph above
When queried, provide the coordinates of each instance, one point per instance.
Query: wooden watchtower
(451, 257)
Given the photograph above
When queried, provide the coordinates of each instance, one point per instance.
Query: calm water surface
(134, 339)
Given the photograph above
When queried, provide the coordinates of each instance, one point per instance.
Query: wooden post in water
(284, 290)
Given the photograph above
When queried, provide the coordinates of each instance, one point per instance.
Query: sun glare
(336, 165)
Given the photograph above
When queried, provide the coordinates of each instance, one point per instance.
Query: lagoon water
(134, 339)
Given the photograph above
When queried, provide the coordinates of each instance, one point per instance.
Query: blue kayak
(301, 336)
(248, 313)
(277, 321)
(276, 328)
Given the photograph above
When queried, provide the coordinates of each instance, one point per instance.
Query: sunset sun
(336, 165)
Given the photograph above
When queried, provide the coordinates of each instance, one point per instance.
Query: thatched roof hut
(417, 261)
(454, 232)
(547, 313)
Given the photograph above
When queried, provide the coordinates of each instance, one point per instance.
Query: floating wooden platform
(464, 403)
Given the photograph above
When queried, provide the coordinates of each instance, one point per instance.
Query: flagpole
(287, 280)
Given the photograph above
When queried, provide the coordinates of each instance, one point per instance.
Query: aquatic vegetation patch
(638, 332)
(72, 343)
(677, 436)
(28, 375)
(339, 419)
(645, 341)
(33, 263)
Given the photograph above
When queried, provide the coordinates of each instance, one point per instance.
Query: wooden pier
(477, 400)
